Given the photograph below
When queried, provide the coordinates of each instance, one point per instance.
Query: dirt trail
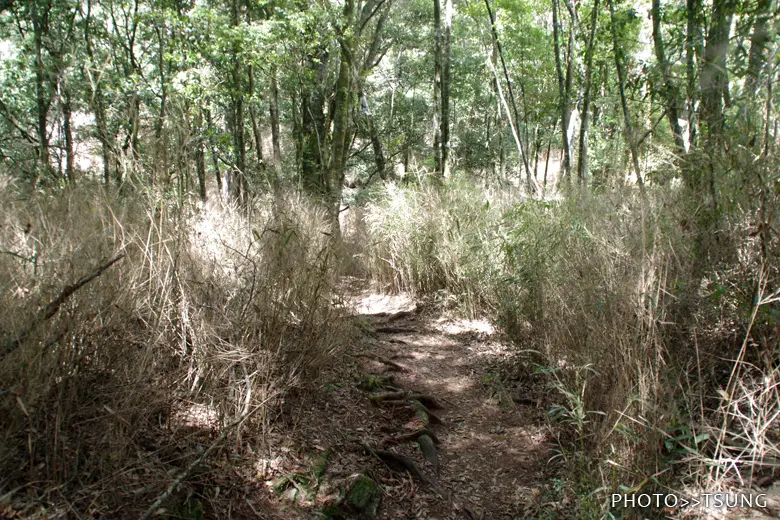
(493, 449)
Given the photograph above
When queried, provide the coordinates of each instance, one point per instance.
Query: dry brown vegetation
(652, 317)
(209, 316)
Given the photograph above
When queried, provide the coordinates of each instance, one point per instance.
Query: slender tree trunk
(258, 137)
(563, 97)
(40, 18)
(340, 143)
(376, 142)
(714, 78)
(239, 187)
(530, 181)
(759, 40)
(619, 64)
(160, 140)
(274, 114)
(96, 99)
(693, 50)
(582, 164)
(70, 160)
(312, 129)
(445, 88)
(437, 90)
(670, 90)
(547, 157)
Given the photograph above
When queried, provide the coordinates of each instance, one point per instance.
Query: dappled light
(389, 259)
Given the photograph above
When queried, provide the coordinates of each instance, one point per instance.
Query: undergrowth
(654, 318)
(211, 315)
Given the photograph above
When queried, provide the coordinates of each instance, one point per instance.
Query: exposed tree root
(408, 437)
(425, 414)
(392, 365)
(428, 449)
(388, 317)
(394, 330)
(397, 461)
(395, 396)
(375, 382)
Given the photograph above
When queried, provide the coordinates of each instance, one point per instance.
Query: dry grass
(208, 315)
(644, 309)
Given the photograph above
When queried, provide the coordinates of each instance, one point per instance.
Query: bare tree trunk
(670, 91)
(341, 111)
(376, 143)
(582, 164)
(274, 114)
(445, 89)
(70, 160)
(714, 77)
(437, 80)
(547, 158)
(627, 126)
(312, 129)
(693, 51)
(533, 186)
(258, 137)
(97, 99)
(160, 140)
(40, 18)
(758, 45)
(563, 95)
(239, 188)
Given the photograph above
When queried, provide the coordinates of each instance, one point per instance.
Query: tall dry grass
(210, 315)
(645, 309)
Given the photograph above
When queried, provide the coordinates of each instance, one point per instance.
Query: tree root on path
(392, 365)
(408, 437)
(428, 449)
(425, 415)
(394, 330)
(396, 396)
(397, 461)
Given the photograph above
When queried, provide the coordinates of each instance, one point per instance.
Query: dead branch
(197, 462)
(51, 309)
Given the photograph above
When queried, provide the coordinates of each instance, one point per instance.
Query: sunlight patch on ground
(196, 416)
(376, 303)
(463, 326)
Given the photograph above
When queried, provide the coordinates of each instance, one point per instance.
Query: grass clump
(652, 312)
(210, 315)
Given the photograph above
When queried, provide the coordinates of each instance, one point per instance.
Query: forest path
(493, 448)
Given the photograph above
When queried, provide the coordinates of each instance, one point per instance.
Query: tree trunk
(40, 18)
(70, 160)
(239, 187)
(376, 142)
(274, 114)
(692, 53)
(96, 99)
(714, 78)
(445, 89)
(758, 45)
(437, 80)
(341, 111)
(312, 129)
(258, 137)
(563, 97)
(530, 181)
(582, 164)
(669, 90)
(627, 126)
